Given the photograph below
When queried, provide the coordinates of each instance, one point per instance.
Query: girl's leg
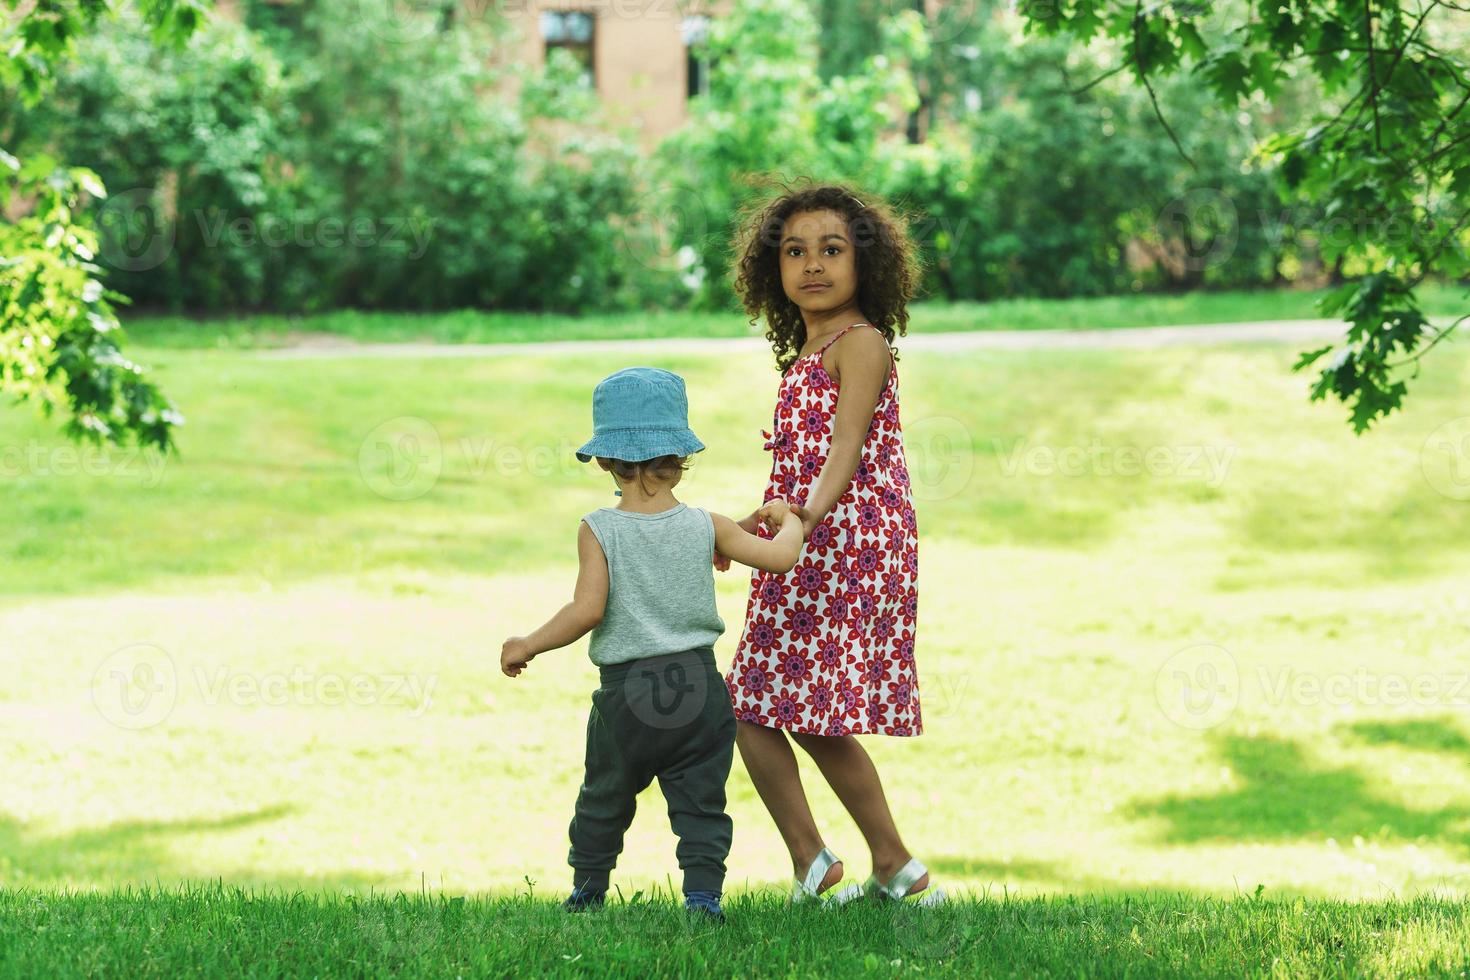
(853, 777)
(772, 766)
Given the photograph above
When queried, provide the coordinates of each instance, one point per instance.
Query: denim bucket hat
(639, 413)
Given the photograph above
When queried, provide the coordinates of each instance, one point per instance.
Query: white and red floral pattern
(828, 647)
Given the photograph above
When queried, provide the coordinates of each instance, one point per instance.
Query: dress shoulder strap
(840, 335)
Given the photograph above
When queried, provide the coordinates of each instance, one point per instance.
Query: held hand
(774, 513)
(515, 654)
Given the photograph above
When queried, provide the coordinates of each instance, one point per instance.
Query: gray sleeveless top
(661, 583)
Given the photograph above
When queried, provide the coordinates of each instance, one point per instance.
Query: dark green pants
(666, 717)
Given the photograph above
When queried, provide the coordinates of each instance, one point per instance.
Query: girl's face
(818, 261)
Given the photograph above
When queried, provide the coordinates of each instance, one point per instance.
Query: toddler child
(645, 590)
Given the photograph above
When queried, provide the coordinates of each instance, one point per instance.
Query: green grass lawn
(230, 932)
(323, 618)
(1440, 303)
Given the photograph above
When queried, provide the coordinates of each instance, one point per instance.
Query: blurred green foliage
(1385, 152)
(323, 155)
(316, 156)
(59, 337)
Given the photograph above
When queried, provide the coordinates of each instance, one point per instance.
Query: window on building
(695, 28)
(571, 30)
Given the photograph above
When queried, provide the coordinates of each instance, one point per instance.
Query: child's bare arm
(572, 621)
(776, 554)
(749, 522)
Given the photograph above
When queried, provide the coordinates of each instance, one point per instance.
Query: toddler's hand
(515, 654)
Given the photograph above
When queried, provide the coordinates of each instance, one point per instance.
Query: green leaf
(1263, 72)
(1460, 182)
(1191, 42)
(1227, 73)
(1308, 357)
(38, 166)
(89, 181)
(1333, 301)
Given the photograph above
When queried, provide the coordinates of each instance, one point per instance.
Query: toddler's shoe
(705, 904)
(584, 901)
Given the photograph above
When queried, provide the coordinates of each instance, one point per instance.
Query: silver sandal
(806, 887)
(897, 888)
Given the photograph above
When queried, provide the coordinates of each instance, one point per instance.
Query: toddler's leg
(605, 804)
(693, 783)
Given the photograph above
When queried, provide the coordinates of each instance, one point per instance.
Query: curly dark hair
(887, 262)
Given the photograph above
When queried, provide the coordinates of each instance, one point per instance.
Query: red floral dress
(828, 647)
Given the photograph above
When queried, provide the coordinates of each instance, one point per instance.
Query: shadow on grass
(1430, 734)
(137, 851)
(1284, 794)
(1415, 534)
(1029, 875)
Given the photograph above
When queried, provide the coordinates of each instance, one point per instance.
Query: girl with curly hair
(827, 650)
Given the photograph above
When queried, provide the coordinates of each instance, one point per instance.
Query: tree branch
(1143, 77)
(1427, 347)
(1427, 261)
(1102, 77)
(1433, 139)
(1372, 71)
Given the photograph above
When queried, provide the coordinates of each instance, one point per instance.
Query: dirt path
(1282, 331)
